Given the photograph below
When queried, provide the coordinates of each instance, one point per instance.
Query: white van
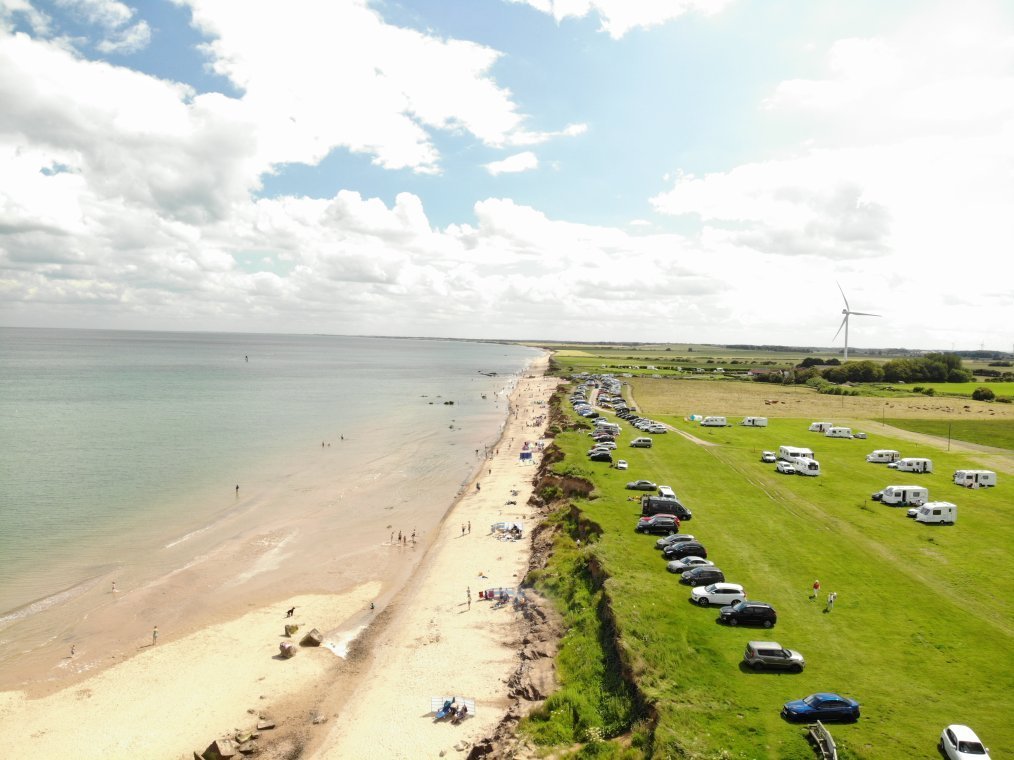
(903, 496)
(755, 421)
(641, 443)
(806, 466)
(942, 512)
(666, 492)
(714, 422)
(883, 455)
(975, 478)
(819, 427)
(838, 432)
(792, 453)
(913, 464)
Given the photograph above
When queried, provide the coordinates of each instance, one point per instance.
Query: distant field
(966, 389)
(998, 433)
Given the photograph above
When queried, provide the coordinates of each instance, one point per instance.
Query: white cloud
(620, 16)
(114, 18)
(519, 162)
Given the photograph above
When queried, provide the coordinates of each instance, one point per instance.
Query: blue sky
(587, 170)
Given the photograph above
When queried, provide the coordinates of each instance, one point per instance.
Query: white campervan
(942, 512)
(755, 421)
(913, 464)
(713, 422)
(792, 453)
(806, 466)
(819, 427)
(838, 432)
(903, 496)
(883, 455)
(975, 478)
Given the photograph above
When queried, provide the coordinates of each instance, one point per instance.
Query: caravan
(912, 464)
(819, 427)
(838, 432)
(883, 455)
(903, 496)
(975, 478)
(755, 421)
(937, 512)
(792, 453)
(714, 422)
(806, 466)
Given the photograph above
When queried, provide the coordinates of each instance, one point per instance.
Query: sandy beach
(426, 640)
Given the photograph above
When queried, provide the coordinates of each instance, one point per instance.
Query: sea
(131, 457)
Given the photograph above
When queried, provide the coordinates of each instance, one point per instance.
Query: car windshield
(971, 748)
(813, 700)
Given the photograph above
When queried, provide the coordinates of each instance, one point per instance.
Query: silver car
(771, 654)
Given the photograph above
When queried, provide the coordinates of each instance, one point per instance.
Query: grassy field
(996, 433)
(966, 389)
(924, 622)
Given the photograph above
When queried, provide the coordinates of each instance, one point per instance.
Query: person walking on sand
(154, 635)
(469, 526)
(816, 589)
(114, 587)
(462, 528)
(237, 489)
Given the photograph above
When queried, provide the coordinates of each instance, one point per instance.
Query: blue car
(822, 706)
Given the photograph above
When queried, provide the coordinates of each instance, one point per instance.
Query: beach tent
(526, 456)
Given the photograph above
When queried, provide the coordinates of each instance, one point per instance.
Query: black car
(659, 524)
(749, 613)
(702, 576)
(679, 551)
(601, 456)
(653, 505)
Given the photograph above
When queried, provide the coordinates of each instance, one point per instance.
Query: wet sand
(422, 640)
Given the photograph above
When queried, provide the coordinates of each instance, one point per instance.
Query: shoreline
(86, 709)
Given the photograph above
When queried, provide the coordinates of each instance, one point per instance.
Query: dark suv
(659, 525)
(749, 613)
(652, 505)
(702, 576)
(679, 551)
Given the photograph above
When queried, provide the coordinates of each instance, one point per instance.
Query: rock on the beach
(291, 628)
(287, 649)
(219, 750)
(312, 639)
(248, 748)
(264, 725)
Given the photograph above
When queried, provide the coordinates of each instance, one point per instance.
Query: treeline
(932, 368)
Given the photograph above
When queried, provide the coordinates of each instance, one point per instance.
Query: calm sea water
(111, 441)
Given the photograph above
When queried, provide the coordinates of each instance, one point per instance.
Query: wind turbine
(847, 311)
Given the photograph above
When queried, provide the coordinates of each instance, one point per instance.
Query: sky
(699, 171)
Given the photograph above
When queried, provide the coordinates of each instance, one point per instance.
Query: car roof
(963, 732)
(727, 586)
(765, 645)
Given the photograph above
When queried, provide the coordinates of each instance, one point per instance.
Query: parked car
(606, 444)
(688, 563)
(702, 576)
(659, 524)
(785, 468)
(859, 435)
(768, 456)
(675, 538)
(771, 654)
(684, 549)
(749, 613)
(718, 593)
(621, 464)
(666, 492)
(959, 742)
(651, 505)
(822, 706)
(601, 456)
(641, 485)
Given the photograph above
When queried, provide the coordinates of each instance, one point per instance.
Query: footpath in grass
(921, 631)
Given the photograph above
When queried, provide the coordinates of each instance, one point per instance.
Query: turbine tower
(847, 311)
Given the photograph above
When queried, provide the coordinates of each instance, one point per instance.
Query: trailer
(937, 512)
(792, 453)
(714, 422)
(755, 422)
(903, 496)
(881, 456)
(806, 466)
(838, 432)
(913, 464)
(819, 427)
(975, 478)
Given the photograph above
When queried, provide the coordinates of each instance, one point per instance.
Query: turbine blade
(846, 319)
(865, 314)
(847, 307)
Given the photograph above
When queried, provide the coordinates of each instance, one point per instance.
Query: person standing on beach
(237, 490)
(154, 635)
(114, 587)
(469, 526)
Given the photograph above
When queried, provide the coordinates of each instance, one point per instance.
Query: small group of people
(456, 714)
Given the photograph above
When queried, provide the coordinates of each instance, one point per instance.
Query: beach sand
(169, 699)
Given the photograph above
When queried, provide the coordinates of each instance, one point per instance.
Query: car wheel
(733, 621)
(768, 624)
(703, 601)
(797, 669)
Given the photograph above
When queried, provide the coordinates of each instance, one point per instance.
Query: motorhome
(942, 512)
(792, 453)
(975, 478)
(755, 421)
(903, 496)
(819, 427)
(883, 455)
(838, 432)
(914, 464)
(806, 466)
(714, 422)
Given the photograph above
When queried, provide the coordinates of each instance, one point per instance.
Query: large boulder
(287, 649)
(220, 749)
(291, 628)
(312, 639)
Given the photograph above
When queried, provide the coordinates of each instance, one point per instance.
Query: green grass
(1005, 389)
(921, 632)
(998, 433)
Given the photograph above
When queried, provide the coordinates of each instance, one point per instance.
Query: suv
(663, 524)
(701, 576)
(769, 457)
(718, 593)
(770, 654)
(752, 613)
(685, 549)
